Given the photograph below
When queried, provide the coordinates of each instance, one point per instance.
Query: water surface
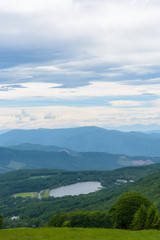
(76, 189)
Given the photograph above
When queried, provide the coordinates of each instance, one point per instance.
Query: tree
(1, 218)
(139, 219)
(152, 211)
(156, 221)
(124, 210)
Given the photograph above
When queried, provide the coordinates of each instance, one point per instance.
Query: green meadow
(27, 194)
(77, 234)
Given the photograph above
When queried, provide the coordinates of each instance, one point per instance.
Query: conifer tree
(152, 211)
(155, 221)
(139, 219)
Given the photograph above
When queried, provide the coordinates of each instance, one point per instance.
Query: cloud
(125, 103)
(10, 87)
(106, 116)
(49, 116)
(79, 50)
(49, 91)
(24, 116)
(113, 31)
(74, 42)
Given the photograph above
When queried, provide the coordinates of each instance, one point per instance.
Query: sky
(71, 63)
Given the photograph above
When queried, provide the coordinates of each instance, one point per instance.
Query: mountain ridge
(88, 139)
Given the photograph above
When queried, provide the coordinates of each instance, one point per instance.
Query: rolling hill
(39, 147)
(12, 159)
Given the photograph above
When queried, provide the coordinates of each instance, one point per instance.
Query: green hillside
(12, 159)
(28, 206)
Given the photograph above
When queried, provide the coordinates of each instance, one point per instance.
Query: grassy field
(76, 234)
(28, 194)
(45, 193)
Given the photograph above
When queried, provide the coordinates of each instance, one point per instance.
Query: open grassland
(77, 234)
(28, 194)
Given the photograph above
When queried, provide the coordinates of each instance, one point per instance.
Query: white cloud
(78, 116)
(114, 31)
(95, 41)
(49, 116)
(125, 103)
(45, 91)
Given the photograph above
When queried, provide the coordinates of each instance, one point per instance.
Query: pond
(76, 189)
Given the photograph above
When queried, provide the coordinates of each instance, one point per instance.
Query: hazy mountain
(11, 159)
(38, 147)
(88, 139)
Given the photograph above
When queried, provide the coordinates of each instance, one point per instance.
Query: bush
(90, 219)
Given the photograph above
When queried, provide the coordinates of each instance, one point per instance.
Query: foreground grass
(77, 234)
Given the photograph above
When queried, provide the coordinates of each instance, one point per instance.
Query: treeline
(89, 219)
(132, 211)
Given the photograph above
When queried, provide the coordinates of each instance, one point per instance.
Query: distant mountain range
(88, 139)
(38, 147)
(13, 159)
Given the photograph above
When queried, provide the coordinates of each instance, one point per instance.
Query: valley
(35, 179)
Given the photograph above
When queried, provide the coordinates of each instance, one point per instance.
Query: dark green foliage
(155, 224)
(1, 220)
(36, 180)
(98, 219)
(124, 210)
(139, 219)
(152, 212)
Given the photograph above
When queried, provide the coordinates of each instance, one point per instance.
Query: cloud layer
(76, 56)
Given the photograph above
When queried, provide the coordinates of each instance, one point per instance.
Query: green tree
(157, 224)
(1, 218)
(126, 207)
(152, 211)
(156, 221)
(139, 219)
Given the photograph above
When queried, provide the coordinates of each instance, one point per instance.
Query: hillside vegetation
(37, 212)
(13, 159)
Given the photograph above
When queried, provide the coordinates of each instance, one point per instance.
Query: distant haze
(87, 139)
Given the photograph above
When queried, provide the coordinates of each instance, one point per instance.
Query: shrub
(90, 219)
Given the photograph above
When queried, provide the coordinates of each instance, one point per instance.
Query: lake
(76, 189)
